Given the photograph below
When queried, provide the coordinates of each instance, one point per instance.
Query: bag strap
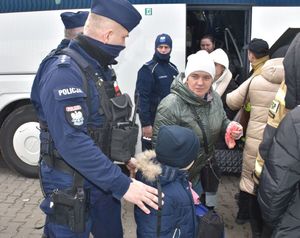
(247, 92)
(158, 227)
(198, 120)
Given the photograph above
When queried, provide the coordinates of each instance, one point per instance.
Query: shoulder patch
(64, 61)
(70, 92)
(74, 115)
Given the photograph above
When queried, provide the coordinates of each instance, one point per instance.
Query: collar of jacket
(88, 44)
(258, 64)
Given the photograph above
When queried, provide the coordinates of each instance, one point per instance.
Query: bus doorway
(230, 29)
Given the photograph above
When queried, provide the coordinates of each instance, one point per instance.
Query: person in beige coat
(262, 90)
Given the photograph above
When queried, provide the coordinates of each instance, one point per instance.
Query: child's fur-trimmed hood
(149, 167)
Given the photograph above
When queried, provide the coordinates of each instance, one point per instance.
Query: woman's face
(199, 82)
(219, 70)
(207, 44)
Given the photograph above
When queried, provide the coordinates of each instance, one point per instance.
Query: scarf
(221, 83)
(257, 65)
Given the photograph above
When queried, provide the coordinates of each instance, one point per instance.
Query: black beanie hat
(176, 146)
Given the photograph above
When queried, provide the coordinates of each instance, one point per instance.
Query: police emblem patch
(74, 115)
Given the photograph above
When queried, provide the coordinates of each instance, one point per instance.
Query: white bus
(31, 28)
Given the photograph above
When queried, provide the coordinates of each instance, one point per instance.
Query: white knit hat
(201, 61)
(219, 56)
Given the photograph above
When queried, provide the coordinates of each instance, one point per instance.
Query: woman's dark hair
(210, 37)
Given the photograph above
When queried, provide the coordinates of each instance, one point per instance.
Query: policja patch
(74, 115)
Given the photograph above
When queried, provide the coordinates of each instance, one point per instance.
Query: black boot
(243, 212)
(256, 220)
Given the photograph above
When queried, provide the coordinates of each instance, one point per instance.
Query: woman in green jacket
(192, 101)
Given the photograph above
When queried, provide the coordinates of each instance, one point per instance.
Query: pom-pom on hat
(163, 39)
(176, 146)
(201, 61)
(74, 19)
(121, 11)
(219, 56)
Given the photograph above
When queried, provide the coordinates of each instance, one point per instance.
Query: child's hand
(131, 166)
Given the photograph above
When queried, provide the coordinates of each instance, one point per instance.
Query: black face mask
(162, 57)
(103, 53)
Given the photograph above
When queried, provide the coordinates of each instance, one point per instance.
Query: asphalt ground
(20, 214)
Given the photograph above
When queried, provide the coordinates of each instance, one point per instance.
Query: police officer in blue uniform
(153, 84)
(73, 22)
(81, 185)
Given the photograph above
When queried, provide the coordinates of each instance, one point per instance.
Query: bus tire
(19, 141)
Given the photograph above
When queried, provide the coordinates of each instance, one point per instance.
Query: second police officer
(82, 187)
(153, 84)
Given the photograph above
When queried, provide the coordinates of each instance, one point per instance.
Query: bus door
(230, 27)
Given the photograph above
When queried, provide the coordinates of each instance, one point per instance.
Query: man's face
(163, 49)
(199, 82)
(207, 44)
(117, 36)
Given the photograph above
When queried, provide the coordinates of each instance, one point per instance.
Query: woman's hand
(234, 131)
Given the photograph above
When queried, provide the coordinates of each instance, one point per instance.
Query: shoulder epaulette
(64, 60)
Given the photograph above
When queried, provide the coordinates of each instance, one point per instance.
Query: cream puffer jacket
(262, 91)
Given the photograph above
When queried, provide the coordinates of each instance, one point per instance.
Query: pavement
(20, 215)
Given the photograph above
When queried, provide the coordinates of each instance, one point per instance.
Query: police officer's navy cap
(121, 11)
(74, 19)
(163, 39)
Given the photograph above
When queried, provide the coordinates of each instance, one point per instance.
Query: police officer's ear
(107, 35)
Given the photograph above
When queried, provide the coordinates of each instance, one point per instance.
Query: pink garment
(229, 139)
(195, 195)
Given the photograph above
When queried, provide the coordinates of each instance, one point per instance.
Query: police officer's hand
(147, 131)
(142, 194)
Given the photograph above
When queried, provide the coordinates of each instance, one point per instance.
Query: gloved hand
(234, 131)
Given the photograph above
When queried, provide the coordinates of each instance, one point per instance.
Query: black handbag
(229, 161)
(210, 174)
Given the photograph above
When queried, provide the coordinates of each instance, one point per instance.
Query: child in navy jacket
(166, 168)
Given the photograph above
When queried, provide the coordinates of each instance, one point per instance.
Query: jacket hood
(292, 74)
(180, 89)
(151, 169)
(273, 70)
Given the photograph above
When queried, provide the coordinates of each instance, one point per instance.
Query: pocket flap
(121, 101)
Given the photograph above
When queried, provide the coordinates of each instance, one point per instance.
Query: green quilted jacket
(175, 109)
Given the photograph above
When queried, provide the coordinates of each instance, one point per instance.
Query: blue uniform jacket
(153, 84)
(60, 101)
(178, 213)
